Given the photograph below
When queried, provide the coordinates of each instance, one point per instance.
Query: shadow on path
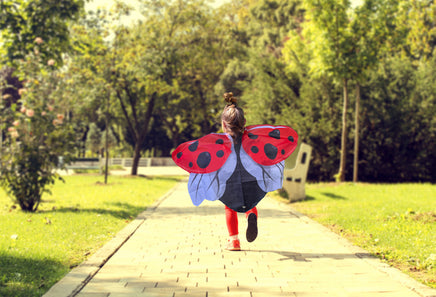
(305, 257)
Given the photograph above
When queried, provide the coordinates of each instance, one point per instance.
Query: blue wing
(211, 186)
(269, 178)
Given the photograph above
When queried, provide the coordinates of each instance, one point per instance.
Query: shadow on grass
(334, 196)
(308, 198)
(283, 194)
(27, 277)
(153, 177)
(127, 210)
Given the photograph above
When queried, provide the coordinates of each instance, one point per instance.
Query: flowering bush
(35, 134)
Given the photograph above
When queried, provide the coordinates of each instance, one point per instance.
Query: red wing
(268, 145)
(204, 155)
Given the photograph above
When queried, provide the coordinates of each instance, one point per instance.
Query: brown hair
(233, 116)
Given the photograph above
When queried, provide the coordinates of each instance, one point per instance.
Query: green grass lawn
(396, 222)
(38, 249)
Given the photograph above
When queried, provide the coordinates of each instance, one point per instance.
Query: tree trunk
(141, 134)
(356, 136)
(341, 174)
(136, 157)
(106, 144)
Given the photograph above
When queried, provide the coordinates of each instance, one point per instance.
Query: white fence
(143, 162)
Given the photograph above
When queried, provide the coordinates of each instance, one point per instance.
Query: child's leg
(232, 226)
(232, 221)
(251, 233)
(253, 210)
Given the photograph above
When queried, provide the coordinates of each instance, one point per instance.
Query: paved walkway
(177, 249)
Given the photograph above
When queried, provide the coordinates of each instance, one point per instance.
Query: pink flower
(50, 62)
(43, 113)
(38, 40)
(55, 122)
(50, 108)
(30, 113)
(14, 134)
(6, 96)
(60, 117)
(16, 123)
(22, 91)
(11, 129)
(23, 109)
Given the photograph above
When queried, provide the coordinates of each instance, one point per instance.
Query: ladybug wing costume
(238, 172)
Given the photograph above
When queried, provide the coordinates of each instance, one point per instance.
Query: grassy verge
(396, 222)
(38, 249)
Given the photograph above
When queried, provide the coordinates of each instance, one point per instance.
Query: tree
(327, 27)
(94, 139)
(111, 139)
(197, 48)
(38, 137)
(370, 27)
(22, 22)
(258, 74)
(397, 128)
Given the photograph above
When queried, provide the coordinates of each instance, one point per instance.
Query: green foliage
(415, 20)
(111, 139)
(199, 45)
(38, 249)
(320, 125)
(399, 127)
(328, 35)
(394, 222)
(38, 134)
(258, 74)
(377, 56)
(23, 22)
(160, 81)
(93, 138)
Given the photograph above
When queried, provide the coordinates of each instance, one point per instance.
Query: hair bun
(228, 97)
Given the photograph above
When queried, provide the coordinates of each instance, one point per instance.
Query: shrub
(36, 134)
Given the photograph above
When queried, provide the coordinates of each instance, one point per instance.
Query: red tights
(232, 219)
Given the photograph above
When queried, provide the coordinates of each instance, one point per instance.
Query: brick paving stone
(176, 249)
(93, 294)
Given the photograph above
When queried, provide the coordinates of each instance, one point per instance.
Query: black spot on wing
(270, 151)
(193, 146)
(291, 138)
(179, 155)
(252, 136)
(219, 141)
(203, 160)
(274, 134)
(190, 164)
(254, 149)
(220, 153)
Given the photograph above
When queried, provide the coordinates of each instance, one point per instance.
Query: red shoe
(233, 245)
